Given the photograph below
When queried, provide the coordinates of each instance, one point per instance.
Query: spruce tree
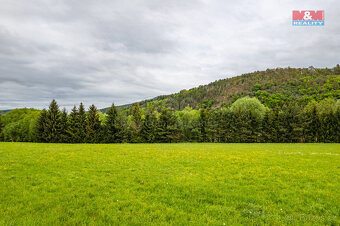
(167, 129)
(148, 132)
(291, 126)
(81, 132)
(136, 123)
(313, 124)
(328, 129)
(41, 127)
(203, 124)
(93, 125)
(255, 124)
(111, 126)
(266, 128)
(74, 126)
(337, 125)
(275, 125)
(333, 127)
(64, 137)
(1, 126)
(243, 127)
(53, 123)
(224, 125)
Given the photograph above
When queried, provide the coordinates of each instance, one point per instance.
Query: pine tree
(81, 132)
(93, 126)
(111, 126)
(53, 123)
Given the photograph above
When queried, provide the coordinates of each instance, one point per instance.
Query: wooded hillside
(273, 87)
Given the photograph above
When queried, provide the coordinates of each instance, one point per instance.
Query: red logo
(308, 15)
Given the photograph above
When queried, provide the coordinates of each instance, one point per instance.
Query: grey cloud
(124, 51)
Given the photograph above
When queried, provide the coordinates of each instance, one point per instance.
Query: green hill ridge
(272, 86)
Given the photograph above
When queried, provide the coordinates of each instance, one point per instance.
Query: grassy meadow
(179, 184)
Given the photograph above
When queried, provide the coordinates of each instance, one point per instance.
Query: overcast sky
(125, 51)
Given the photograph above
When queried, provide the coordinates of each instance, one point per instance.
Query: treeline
(246, 120)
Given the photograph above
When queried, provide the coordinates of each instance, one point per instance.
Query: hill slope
(273, 87)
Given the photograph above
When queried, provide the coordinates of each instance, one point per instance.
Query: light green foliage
(176, 184)
(268, 100)
(247, 104)
(101, 117)
(188, 120)
(327, 105)
(19, 124)
(257, 87)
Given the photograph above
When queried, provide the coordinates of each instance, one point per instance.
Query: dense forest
(273, 87)
(280, 105)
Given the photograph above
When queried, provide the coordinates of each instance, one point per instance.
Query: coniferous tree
(148, 132)
(167, 129)
(291, 126)
(203, 124)
(111, 125)
(337, 125)
(1, 126)
(333, 128)
(73, 126)
(222, 119)
(242, 126)
(53, 123)
(255, 124)
(328, 127)
(64, 137)
(41, 127)
(313, 124)
(81, 132)
(93, 128)
(136, 123)
(266, 128)
(275, 125)
(123, 134)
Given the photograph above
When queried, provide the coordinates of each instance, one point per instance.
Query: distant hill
(5, 111)
(272, 86)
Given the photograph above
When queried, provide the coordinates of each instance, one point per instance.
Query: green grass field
(169, 184)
